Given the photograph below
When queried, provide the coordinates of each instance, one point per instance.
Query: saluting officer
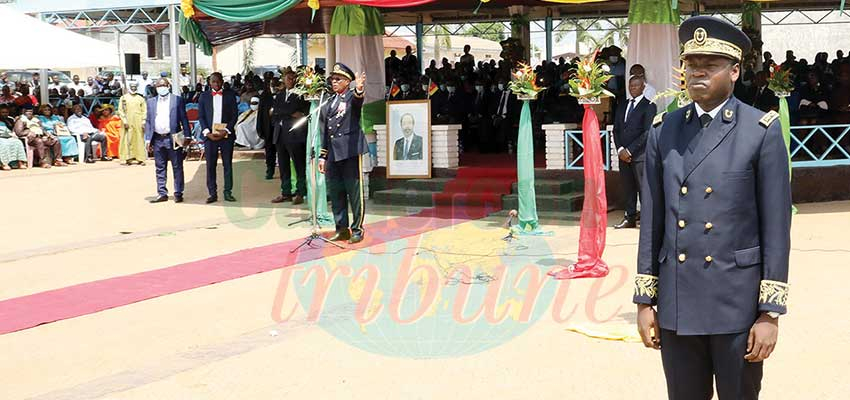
(343, 142)
(715, 232)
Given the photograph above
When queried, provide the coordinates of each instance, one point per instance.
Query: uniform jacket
(632, 132)
(229, 112)
(342, 136)
(715, 220)
(283, 120)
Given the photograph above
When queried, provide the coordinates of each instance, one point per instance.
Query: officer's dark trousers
(271, 156)
(691, 362)
(211, 150)
(297, 152)
(631, 176)
(345, 188)
(163, 152)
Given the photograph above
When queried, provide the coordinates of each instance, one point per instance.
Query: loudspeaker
(132, 64)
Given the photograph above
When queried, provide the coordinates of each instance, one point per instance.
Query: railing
(575, 149)
(820, 145)
(88, 102)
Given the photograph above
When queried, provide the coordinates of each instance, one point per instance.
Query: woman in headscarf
(55, 125)
(246, 127)
(110, 125)
(11, 148)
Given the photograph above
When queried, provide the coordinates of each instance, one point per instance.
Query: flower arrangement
(780, 81)
(524, 82)
(589, 79)
(680, 92)
(309, 83)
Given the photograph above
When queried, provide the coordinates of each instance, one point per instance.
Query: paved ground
(75, 225)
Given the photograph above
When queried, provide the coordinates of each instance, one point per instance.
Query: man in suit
(505, 118)
(290, 144)
(631, 125)
(715, 229)
(408, 147)
(343, 142)
(265, 126)
(218, 106)
(763, 98)
(166, 115)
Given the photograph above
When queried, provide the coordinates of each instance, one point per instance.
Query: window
(152, 46)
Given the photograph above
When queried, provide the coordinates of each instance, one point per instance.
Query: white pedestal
(556, 157)
(444, 141)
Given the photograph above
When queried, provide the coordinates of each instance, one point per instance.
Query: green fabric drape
(652, 12)
(374, 113)
(355, 20)
(244, 10)
(785, 123)
(525, 173)
(316, 188)
(191, 32)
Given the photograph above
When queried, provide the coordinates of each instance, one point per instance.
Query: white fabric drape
(364, 54)
(656, 47)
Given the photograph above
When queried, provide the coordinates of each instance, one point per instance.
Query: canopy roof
(297, 18)
(67, 49)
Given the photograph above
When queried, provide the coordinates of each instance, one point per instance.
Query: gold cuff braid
(646, 285)
(773, 292)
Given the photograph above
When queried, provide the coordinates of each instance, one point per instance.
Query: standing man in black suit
(715, 233)
(290, 144)
(217, 116)
(632, 124)
(265, 126)
(343, 142)
(763, 98)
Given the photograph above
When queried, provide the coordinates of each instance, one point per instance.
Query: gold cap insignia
(700, 35)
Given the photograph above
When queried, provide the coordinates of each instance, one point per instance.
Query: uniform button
(709, 190)
(708, 226)
(684, 190)
(708, 259)
(681, 223)
(682, 257)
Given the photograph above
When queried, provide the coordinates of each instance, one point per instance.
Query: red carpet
(69, 302)
(477, 187)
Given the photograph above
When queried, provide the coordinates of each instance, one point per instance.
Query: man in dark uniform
(291, 144)
(715, 229)
(265, 127)
(343, 142)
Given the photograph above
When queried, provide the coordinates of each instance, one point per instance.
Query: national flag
(432, 89)
(394, 90)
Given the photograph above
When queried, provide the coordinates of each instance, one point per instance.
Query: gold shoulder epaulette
(658, 119)
(768, 118)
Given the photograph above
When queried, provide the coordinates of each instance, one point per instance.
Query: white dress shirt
(80, 125)
(712, 113)
(162, 124)
(217, 110)
(407, 141)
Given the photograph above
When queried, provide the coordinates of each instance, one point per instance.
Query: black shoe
(107, 158)
(269, 176)
(340, 236)
(212, 199)
(159, 199)
(281, 198)
(356, 238)
(89, 160)
(178, 199)
(229, 197)
(626, 223)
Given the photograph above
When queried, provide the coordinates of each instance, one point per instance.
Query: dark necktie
(629, 111)
(705, 119)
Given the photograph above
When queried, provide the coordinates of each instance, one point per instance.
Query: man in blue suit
(217, 114)
(166, 116)
(631, 125)
(715, 227)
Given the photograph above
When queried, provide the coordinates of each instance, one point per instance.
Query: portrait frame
(419, 146)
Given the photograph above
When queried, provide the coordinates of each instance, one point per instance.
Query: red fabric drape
(594, 214)
(389, 3)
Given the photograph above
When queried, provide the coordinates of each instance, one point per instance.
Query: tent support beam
(419, 43)
(175, 56)
(304, 48)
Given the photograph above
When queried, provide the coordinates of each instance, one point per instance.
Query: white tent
(51, 46)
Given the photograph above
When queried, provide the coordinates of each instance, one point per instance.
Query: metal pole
(193, 63)
(175, 57)
(419, 43)
(121, 66)
(549, 37)
(44, 79)
(304, 55)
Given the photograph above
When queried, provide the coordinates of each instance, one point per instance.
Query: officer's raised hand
(360, 82)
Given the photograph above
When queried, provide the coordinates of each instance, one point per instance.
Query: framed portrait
(409, 139)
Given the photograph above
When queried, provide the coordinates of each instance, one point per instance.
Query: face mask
(451, 89)
(162, 91)
(566, 86)
(425, 88)
(405, 88)
(613, 59)
(443, 87)
(501, 86)
(255, 107)
(746, 83)
(479, 88)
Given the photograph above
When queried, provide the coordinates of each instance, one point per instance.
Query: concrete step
(550, 186)
(404, 197)
(548, 202)
(431, 185)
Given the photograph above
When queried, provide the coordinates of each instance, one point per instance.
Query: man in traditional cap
(715, 227)
(132, 109)
(343, 142)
